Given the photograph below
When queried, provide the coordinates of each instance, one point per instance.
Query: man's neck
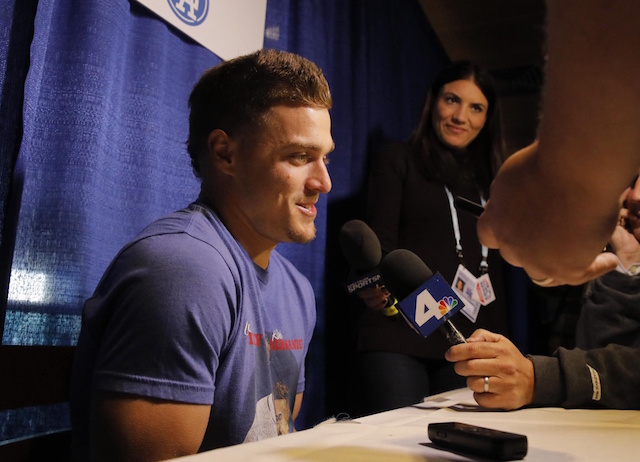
(258, 248)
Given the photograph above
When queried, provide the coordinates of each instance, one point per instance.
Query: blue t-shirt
(183, 314)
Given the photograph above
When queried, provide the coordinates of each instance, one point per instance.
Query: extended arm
(603, 377)
(554, 204)
(602, 374)
(132, 428)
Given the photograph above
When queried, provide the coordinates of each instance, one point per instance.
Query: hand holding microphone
(496, 371)
(361, 247)
(405, 272)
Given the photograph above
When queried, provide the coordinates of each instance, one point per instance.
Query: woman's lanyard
(484, 266)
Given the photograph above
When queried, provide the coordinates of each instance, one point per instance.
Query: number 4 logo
(430, 305)
(426, 308)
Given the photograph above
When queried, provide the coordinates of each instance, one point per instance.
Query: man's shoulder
(193, 223)
(184, 237)
(192, 218)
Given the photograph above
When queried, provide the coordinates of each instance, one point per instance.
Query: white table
(554, 434)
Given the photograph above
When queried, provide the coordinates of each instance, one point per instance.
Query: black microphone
(361, 247)
(403, 272)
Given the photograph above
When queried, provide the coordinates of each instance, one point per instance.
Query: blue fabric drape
(102, 152)
(102, 147)
(16, 33)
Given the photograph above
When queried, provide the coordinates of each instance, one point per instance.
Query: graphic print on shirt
(276, 365)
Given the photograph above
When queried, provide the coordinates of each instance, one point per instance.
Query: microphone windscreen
(403, 272)
(360, 245)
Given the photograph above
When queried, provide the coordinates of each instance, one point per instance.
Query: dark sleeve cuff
(548, 381)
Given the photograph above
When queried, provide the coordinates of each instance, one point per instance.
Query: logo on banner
(430, 305)
(191, 12)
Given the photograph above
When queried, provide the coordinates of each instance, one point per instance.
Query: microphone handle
(452, 334)
(391, 309)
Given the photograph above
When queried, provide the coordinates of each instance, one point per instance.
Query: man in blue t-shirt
(195, 337)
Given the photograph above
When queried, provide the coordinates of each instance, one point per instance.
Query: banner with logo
(229, 28)
(430, 305)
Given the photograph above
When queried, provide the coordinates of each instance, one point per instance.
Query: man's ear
(221, 150)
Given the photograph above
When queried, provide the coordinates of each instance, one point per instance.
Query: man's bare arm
(132, 428)
(554, 205)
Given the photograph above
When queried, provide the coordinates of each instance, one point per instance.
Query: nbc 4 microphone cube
(431, 305)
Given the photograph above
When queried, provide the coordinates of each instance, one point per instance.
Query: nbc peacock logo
(447, 304)
(191, 12)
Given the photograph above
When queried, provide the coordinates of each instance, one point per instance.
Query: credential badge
(191, 12)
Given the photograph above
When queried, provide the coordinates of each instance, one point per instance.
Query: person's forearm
(601, 377)
(591, 94)
(554, 204)
(548, 389)
(589, 143)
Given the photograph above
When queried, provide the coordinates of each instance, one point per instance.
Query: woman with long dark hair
(455, 150)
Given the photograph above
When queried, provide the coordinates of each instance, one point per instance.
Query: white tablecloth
(553, 434)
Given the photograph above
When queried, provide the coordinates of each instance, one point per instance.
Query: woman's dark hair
(476, 164)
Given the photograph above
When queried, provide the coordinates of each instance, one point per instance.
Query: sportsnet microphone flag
(229, 28)
(430, 305)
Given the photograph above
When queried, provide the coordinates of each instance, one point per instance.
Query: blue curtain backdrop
(94, 124)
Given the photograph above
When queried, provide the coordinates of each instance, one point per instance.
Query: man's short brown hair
(236, 94)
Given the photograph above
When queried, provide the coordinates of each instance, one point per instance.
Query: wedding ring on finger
(486, 384)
